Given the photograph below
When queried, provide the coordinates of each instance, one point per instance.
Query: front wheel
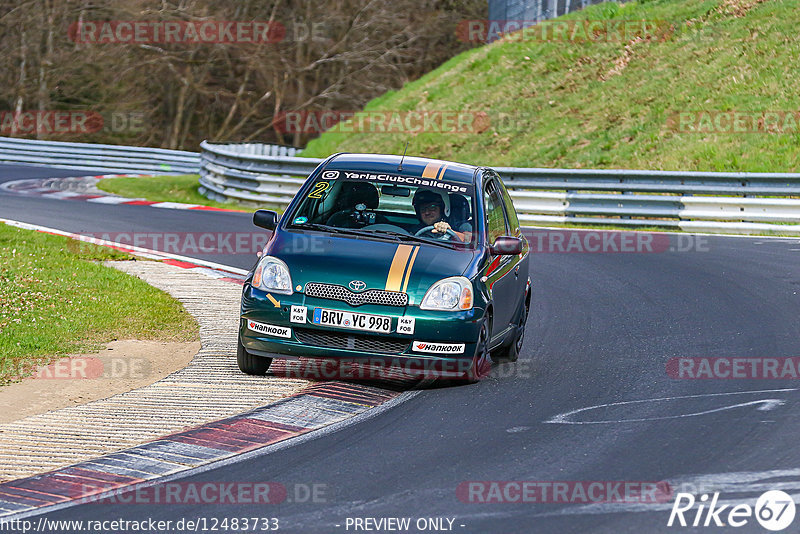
(250, 363)
(511, 352)
(481, 362)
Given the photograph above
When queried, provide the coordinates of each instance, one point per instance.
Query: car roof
(412, 166)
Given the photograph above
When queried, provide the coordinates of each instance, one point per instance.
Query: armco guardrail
(252, 173)
(96, 157)
(693, 201)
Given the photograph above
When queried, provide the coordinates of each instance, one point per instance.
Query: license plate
(355, 321)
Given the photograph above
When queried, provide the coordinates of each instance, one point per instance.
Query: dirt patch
(622, 61)
(737, 8)
(71, 381)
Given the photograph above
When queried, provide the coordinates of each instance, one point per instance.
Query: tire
(481, 361)
(250, 363)
(511, 352)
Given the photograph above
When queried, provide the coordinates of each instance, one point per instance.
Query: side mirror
(265, 219)
(506, 245)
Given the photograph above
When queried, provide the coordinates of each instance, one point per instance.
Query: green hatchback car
(406, 262)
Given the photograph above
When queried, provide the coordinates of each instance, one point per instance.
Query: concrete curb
(315, 407)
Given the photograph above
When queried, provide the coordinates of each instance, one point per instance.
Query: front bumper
(309, 340)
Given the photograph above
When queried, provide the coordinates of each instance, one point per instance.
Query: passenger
(355, 205)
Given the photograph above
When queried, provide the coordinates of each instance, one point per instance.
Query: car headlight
(272, 274)
(454, 293)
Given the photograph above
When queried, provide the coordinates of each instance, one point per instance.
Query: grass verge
(167, 188)
(55, 299)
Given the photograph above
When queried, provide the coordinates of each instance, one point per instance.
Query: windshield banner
(452, 187)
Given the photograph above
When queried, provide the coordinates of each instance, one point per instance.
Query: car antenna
(400, 167)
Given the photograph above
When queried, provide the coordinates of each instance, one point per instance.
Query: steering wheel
(350, 218)
(448, 232)
(338, 216)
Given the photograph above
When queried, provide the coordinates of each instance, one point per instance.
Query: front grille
(371, 296)
(336, 340)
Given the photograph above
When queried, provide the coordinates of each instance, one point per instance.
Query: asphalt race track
(99, 219)
(602, 328)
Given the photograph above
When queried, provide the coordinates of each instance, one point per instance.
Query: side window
(511, 213)
(495, 214)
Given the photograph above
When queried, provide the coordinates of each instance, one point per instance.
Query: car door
(521, 271)
(499, 273)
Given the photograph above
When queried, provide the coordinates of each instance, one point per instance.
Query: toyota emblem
(357, 285)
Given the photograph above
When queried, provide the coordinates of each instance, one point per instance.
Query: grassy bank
(55, 300)
(613, 103)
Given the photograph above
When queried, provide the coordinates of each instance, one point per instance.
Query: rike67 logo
(774, 510)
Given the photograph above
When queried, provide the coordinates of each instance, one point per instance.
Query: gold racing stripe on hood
(398, 267)
(410, 266)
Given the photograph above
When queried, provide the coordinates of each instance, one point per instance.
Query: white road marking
(112, 200)
(61, 194)
(765, 404)
(174, 205)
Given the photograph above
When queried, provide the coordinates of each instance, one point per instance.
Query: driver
(432, 208)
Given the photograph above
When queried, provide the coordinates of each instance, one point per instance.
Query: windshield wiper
(326, 228)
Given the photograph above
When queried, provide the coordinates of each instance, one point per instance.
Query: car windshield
(388, 206)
